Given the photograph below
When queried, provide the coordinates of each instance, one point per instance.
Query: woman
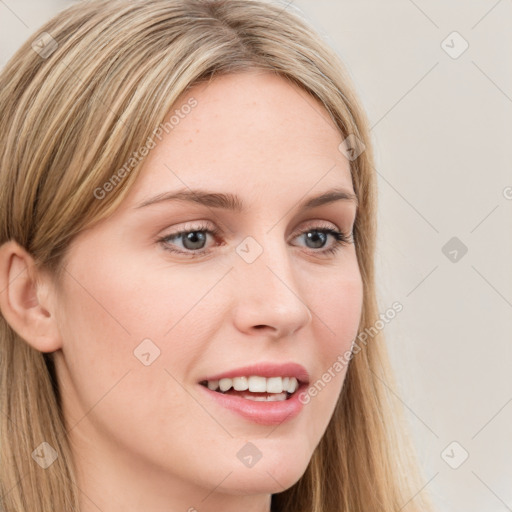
(177, 333)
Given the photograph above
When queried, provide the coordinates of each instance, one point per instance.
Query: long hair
(76, 101)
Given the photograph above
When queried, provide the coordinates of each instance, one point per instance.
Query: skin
(144, 437)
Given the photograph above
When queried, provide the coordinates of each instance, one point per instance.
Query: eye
(317, 237)
(193, 241)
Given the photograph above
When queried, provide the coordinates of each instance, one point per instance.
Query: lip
(264, 413)
(265, 369)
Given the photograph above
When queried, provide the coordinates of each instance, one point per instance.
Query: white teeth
(213, 384)
(275, 385)
(256, 384)
(225, 384)
(240, 383)
(269, 398)
(292, 385)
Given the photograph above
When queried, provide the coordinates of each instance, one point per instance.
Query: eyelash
(340, 239)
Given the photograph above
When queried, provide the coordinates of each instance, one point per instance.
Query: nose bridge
(272, 262)
(267, 293)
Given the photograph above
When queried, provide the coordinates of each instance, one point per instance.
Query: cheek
(336, 316)
(337, 308)
(119, 310)
(131, 298)
(112, 308)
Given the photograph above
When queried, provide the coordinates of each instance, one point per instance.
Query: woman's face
(144, 321)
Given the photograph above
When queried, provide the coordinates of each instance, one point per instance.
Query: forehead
(250, 134)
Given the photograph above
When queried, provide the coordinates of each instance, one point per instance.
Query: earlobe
(25, 301)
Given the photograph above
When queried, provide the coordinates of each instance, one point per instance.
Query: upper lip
(265, 369)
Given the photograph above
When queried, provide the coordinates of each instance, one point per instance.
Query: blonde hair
(74, 113)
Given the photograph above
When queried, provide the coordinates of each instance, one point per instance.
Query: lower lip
(264, 413)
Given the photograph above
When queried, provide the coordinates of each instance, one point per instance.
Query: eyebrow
(234, 203)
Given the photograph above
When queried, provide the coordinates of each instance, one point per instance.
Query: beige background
(442, 129)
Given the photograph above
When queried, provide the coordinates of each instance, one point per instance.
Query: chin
(261, 482)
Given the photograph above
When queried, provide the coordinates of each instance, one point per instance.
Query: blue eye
(194, 240)
(318, 234)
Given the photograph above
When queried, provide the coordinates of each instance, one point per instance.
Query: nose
(267, 298)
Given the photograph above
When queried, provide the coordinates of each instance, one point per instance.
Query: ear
(25, 299)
